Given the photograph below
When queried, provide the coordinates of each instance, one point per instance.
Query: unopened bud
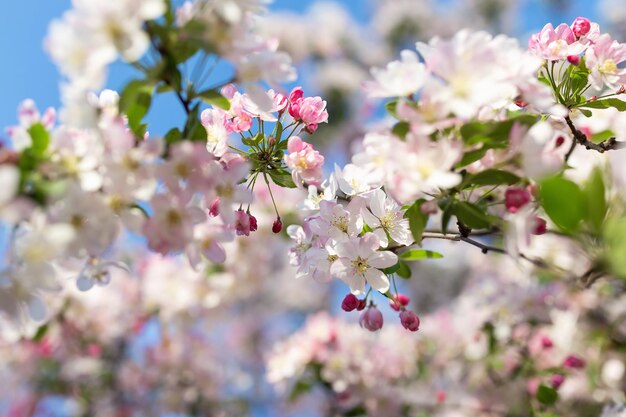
(621, 90)
(409, 320)
(581, 26)
(371, 319)
(277, 226)
(362, 305)
(540, 226)
(516, 198)
(310, 129)
(557, 380)
(546, 342)
(214, 209)
(574, 362)
(559, 141)
(253, 223)
(350, 302)
(573, 59)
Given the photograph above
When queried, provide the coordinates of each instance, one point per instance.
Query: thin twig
(581, 138)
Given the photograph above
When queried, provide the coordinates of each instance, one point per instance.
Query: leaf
(400, 129)
(173, 135)
(279, 131)
(40, 333)
(253, 141)
(194, 130)
(595, 194)
(392, 269)
(282, 178)
(471, 215)
(472, 156)
(135, 102)
(417, 220)
(391, 108)
(493, 134)
(606, 103)
(299, 388)
(40, 140)
(491, 177)
(547, 395)
(446, 205)
(404, 271)
(563, 201)
(215, 99)
(417, 254)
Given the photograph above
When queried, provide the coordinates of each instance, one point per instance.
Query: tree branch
(581, 138)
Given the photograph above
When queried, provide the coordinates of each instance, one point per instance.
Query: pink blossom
(603, 59)
(557, 380)
(305, 162)
(540, 226)
(581, 26)
(574, 362)
(310, 110)
(555, 44)
(371, 319)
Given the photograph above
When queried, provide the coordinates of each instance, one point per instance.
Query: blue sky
(27, 72)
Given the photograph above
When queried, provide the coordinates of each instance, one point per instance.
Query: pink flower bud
(296, 94)
(516, 198)
(574, 362)
(310, 129)
(557, 380)
(94, 350)
(277, 226)
(559, 141)
(253, 223)
(242, 223)
(403, 299)
(540, 226)
(350, 302)
(573, 59)
(409, 320)
(362, 305)
(581, 26)
(214, 208)
(546, 342)
(371, 319)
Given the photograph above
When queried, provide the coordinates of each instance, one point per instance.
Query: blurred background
(246, 338)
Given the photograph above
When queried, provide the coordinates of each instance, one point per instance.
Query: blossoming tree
(512, 151)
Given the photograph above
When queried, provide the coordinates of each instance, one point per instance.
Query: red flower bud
(277, 226)
(573, 59)
(350, 302)
(557, 380)
(516, 198)
(546, 342)
(574, 362)
(253, 223)
(540, 226)
(362, 305)
(581, 26)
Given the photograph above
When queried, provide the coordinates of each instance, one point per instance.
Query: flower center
(386, 221)
(340, 223)
(608, 67)
(360, 265)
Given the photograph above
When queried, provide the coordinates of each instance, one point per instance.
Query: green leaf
(40, 140)
(400, 129)
(547, 395)
(193, 129)
(392, 269)
(417, 220)
(602, 136)
(615, 243)
(493, 134)
(173, 135)
(595, 194)
(417, 254)
(40, 333)
(299, 388)
(472, 156)
(586, 113)
(606, 103)
(471, 215)
(135, 102)
(391, 108)
(279, 132)
(215, 99)
(404, 271)
(563, 201)
(253, 141)
(491, 177)
(282, 178)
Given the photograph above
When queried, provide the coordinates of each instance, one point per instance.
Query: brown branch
(581, 138)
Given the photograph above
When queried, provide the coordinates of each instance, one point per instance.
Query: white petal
(377, 202)
(382, 259)
(377, 279)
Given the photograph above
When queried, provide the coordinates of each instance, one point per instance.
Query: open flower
(359, 262)
(386, 217)
(304, 161)
(603, 59)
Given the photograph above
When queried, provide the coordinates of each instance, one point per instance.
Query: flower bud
(311, 128)
(559, 141)
(403, 299)
(539, 227)
(362, 305)
(516, 198)
(573, 59)
(277, 226)
(409, 320)
(371, 319)
(253, 223)
(581, 26)
(350, 302)
(546, 342)
(574, 362)
(214, 208)
(557, 380)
